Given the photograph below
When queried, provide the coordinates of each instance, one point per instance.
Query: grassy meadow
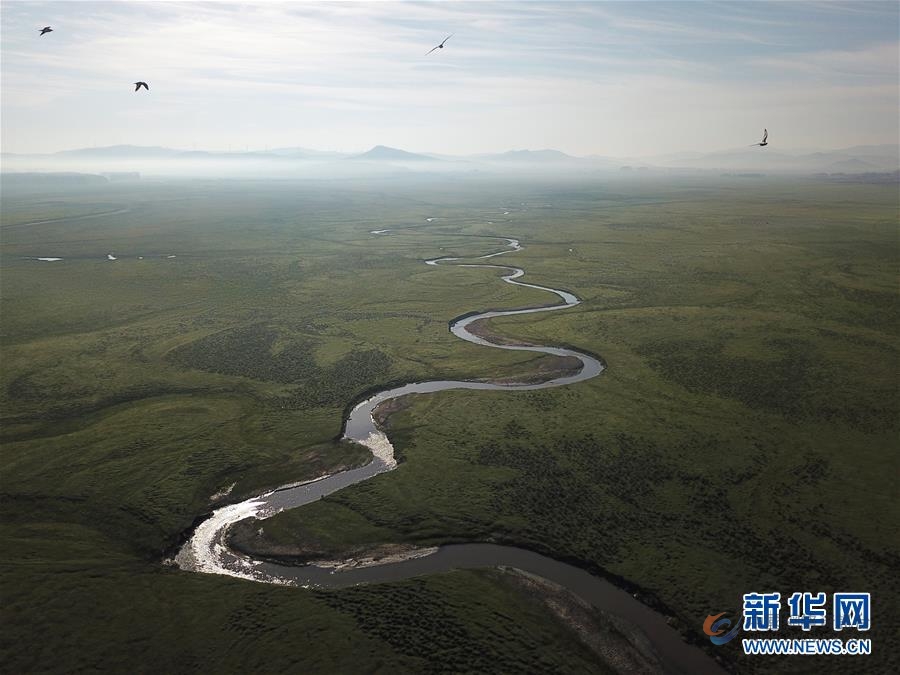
(742, 439)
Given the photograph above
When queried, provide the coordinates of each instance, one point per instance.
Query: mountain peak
(383, 152)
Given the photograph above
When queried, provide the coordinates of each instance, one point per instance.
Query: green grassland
(743, 437)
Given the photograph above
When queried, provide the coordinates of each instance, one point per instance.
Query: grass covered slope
(157, 382)
(742, 438)
(217, 354)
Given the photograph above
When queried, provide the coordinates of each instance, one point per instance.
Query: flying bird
(46, 29)
(765, 136)
(440, 46)
(138, 85)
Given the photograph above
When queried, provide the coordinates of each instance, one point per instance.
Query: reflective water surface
(207, 550)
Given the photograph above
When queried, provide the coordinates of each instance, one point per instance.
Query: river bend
(207, 550)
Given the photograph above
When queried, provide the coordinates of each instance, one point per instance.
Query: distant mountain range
(382, 153)
(156, 152)
(306, 153)
(121, 151)
(857, 159)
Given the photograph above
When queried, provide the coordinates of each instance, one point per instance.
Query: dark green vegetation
(743, 438)
(258, 352)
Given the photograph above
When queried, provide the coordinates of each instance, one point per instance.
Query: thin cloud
(877, 61)
(589, 77)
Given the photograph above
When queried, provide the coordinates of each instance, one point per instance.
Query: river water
(207, 550)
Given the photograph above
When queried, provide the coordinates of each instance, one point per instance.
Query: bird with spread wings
(764, 141)
(440, 46)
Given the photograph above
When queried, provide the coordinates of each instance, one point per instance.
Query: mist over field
(176, 344)
(302, 163)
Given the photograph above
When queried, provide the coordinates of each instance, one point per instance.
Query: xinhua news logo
(807, 611)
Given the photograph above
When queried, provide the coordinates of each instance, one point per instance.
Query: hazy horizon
(326, 151)
(612, 79)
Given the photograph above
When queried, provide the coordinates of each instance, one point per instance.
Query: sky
(623, 79)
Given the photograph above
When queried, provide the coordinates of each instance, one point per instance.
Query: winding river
(207, 550)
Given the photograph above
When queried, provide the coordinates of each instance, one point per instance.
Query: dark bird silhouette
(765, 136)
(138, 85)
(46, 29)
(440, 46)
